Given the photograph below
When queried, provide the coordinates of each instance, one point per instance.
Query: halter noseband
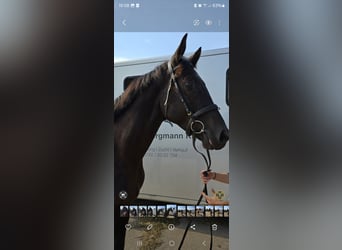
(190, 129)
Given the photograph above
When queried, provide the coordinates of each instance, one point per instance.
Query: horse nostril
(224, 136)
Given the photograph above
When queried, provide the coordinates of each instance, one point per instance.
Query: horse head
(187, 102)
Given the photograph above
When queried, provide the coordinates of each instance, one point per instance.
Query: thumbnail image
(190, 211)
(161, 211)
(199, 211)
(124, 211)
(133, 211)
(209, 211)
(181, 211)
(226, 211)
(142, 211)
(151, 211)
(218, 211)
(171, 211)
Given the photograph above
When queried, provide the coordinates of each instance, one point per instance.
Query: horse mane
(136, 87)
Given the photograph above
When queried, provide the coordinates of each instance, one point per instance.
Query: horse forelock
(136, 87)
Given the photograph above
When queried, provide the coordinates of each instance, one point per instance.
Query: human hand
(207, 176)
(214, 200)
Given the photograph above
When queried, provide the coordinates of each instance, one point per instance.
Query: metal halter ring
(192, 128)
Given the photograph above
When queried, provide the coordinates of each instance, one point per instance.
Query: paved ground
(160, 237)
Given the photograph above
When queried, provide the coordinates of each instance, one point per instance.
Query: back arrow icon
(124, 22)
(204, 243)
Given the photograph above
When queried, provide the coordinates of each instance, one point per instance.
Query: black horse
(134, 212)
(149, 212)
(172, 91)
(142, 212)
(124, 212)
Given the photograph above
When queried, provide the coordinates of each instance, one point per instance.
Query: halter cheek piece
(193, 117)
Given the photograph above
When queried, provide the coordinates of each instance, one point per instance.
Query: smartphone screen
(157, 213)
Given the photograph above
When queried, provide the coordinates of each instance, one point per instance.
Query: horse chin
(208, 144)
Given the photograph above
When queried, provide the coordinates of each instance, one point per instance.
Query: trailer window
(227, 87)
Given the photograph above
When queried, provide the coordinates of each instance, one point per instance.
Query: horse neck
(144, 118)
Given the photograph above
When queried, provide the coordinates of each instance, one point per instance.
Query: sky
(141, 45)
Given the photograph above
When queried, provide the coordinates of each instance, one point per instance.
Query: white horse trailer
(172, 167)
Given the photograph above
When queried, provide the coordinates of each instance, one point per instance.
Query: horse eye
(188, 85)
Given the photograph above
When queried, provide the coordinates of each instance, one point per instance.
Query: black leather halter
(191, 130)
(193, 117)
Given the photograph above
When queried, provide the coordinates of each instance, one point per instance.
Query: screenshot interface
(152, 39)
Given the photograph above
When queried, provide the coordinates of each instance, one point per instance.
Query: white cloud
(120, 59)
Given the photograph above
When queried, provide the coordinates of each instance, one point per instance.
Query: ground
(160, 237)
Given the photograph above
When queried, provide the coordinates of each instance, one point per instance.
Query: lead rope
(205, 190)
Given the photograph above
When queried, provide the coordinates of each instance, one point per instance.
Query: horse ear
(194, 58)
(179, 52)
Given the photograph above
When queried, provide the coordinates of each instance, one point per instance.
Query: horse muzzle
(214, 142)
